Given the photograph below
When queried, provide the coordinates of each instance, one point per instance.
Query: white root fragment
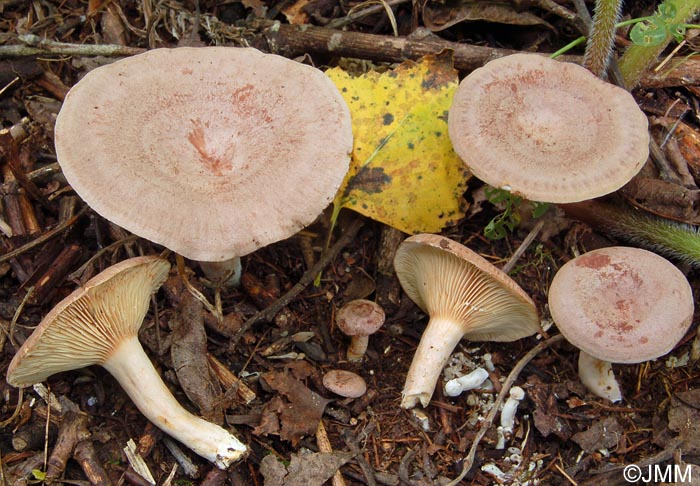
(457, 386)
(511, 407)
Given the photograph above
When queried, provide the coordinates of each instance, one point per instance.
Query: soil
(280, 349)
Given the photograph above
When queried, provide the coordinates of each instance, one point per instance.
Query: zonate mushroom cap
(344, 383)
(547, 130)
(360, 317)
(448, 280)
(212, 152)
(621, 304)
(88, 325)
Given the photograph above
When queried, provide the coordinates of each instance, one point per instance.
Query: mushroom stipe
(98, 324)
(465, 296)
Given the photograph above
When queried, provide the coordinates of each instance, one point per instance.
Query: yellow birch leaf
(404, 172)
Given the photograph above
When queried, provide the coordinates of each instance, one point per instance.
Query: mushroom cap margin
(621, 304)
(448, 280)
(82, 329)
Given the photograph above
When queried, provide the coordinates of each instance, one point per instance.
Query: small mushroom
(619, 305)
(213, 152)
(98, 324)
(359, 319)
(344, 383)
(465, 297)
(547, 130)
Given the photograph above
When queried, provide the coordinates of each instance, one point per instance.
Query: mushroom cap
(621, 304)
(360, 317)
(448, 280)
(547, 130)
(344, 383)
(212, 152)
(88, 325)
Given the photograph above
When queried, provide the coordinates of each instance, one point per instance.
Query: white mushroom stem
(457, 386)
(597, 375)
(437, 343)
(230, 270)
(511, 407)
(135, 373)
(357, 348)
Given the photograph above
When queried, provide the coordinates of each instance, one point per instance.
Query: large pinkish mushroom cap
(621, 304)
(547, 130)
(212, 152)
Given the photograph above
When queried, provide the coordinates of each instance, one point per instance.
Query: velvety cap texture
(547, 130)
(621, 304)
(212, 152)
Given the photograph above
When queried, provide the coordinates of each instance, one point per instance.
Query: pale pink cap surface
(621, 304)
(547, 130)
(212, 152)
(345, 383)
(360, 317)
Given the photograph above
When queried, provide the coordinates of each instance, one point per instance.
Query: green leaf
(653, 32)
(39, 474)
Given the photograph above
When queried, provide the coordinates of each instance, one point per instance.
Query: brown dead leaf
(305, 469)
(603, 434)
(257, 6)
(664, 198)
(189, 356)
(295, 12)
(684, 418)
(438, 16)
(269, 418)
(546, 416)
(300, 413)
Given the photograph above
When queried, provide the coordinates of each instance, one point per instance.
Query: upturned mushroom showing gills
(465, 297)
(547, 130)
(619, 305)
(219, 150)
(98, 324)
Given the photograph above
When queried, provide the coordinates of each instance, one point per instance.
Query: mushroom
(212, 152)
(465, 297)
(547, 130)
(359, 319)
(619, 305)
(344, 383)
(98, 324)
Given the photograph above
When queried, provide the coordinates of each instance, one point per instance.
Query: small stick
(324, 445)
(52, 233)
(230, 381)
(56, 272)
(73, 429)
(86, 456)
(290, 40)
(525, 244)
(488, 421)
(269, 313)
(33, 45)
